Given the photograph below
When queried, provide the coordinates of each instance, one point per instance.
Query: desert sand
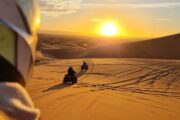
(112, 89)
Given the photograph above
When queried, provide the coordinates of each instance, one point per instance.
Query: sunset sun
(109, 29)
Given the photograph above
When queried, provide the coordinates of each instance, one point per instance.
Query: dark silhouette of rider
(84, 63)
(84, 66)
(71, 71)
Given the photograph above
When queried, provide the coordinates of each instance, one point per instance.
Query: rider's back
(71, 71)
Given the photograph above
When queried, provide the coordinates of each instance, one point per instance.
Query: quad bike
(84, 67)
(70, 78)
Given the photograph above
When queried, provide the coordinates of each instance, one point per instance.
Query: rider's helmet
(19, 20)
(70, 68)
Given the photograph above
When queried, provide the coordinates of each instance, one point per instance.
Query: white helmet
(19, 20)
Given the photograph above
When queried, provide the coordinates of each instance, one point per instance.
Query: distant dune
(81, 47)
(53, 46)
(160, 48)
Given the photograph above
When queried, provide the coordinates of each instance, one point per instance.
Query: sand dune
(86, 47)
(112, 89)
(160, 48)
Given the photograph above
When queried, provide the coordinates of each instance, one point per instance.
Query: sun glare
(109, 29)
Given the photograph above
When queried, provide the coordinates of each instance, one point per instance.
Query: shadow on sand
(81, 73)
(58, 86)
(62, 85)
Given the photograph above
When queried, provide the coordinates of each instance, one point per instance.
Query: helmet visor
(16, 53)
(7, 44)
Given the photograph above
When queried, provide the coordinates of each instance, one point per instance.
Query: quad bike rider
(84, 66)
(71, 76)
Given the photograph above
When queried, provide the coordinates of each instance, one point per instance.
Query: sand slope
(83, 47)
(113, 89)
(159, 48)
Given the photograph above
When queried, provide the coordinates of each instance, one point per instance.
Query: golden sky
(136, 18)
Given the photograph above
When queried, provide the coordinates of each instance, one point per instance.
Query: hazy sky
(138, 18)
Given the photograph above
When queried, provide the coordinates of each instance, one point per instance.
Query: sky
(136, 18)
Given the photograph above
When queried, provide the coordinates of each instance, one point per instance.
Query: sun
(109, 29)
